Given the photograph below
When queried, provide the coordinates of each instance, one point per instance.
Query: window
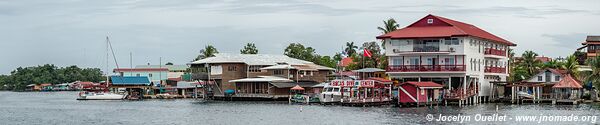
(556, 78)
(254, 68)
(231, 68)
(539, 78)
(414, 61)
(449, 61)
(397, 61)
(278, 72)
(150, 75)
(429, 21)
(451, 41)
(138, 75)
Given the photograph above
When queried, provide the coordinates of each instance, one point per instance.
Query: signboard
(352, 83)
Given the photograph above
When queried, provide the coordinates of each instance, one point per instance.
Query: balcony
(425, 68)
(489, 69)
(490, 51)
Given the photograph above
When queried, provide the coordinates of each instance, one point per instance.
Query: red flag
(367, 53)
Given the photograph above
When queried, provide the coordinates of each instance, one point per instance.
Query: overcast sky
(72, 32)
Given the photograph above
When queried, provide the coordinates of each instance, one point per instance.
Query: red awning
(568, 82)
(380, 79)
(424, 84)
(297, 87)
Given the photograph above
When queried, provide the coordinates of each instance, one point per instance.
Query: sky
(73, 32)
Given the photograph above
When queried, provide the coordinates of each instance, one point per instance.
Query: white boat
(524, 95)
(93, 95)
(100, 96)
(332, 94)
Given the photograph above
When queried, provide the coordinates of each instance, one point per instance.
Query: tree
(350, 48)
(530, 62)
(169, 63)
(337, 57)
(594, 75)
(388, 26)
(48, 73)
(250, 48)
(553, 64)
(298, 51)
(208, 51)
(571, 65)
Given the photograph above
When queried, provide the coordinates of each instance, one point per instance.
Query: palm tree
(594, 75)
(553, 64)
(530, 62)
(571, 65)
(388, 26)
(350, 48)
(208, 51)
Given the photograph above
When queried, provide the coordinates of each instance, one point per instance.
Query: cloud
(569, 41)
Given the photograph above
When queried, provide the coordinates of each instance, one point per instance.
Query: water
(62, 108)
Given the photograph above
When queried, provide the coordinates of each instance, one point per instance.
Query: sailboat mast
(106, 72)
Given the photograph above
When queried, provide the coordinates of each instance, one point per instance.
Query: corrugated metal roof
(170, 67)
(292, 84)
(262, 79)
(258, 59)
(369, 70)
(130, 80)
(592, 38)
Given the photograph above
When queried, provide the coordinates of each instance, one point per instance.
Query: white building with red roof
(460, 56)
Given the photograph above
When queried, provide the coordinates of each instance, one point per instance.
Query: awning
(297, 87)
(262, 79)
(424, 84)
(292, 84)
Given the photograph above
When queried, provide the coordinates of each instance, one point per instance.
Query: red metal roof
(346, 61)
(442, 27)
(139, 69)
(423, 84)
(568, 82)
(380, 79)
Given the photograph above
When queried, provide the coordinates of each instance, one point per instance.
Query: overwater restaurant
(363, 91)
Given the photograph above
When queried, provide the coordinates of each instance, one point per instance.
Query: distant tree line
(48, 73)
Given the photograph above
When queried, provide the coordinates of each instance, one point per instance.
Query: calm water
(62, 108)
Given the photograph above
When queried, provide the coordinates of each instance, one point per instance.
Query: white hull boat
(331, 94)
(524, 95)
(100, 96)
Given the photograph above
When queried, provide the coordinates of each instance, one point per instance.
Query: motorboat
(332, 94)
(524, 95)
(100, 96)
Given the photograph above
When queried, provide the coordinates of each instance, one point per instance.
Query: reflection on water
(62, 108)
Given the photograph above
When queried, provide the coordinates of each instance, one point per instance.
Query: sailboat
(106, 94)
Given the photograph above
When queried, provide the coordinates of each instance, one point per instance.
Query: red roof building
(568, 82)
(436, 26)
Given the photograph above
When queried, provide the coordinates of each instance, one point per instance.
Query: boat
(331, 94)
(100, 96)
(524, 95)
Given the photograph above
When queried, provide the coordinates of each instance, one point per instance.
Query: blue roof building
(130, 80)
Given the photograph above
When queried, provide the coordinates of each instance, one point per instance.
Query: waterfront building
(134, 86)
(460, 56)
(418, 93)
(155, 75)
(258, 76)
(592, 43)
(540, 85)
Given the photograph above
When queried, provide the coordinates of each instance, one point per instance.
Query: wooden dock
(365, 101)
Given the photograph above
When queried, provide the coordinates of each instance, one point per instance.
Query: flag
(366, 53)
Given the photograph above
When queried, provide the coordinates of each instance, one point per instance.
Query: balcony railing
(489, 69)
(490, 51)
(425, 68)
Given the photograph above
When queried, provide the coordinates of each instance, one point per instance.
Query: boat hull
(101, 96)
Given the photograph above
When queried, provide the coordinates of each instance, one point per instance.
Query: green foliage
(49, 73)
(376, 60)
(337, 57)
(553, 64)
(594, 75)
(208, 51)
(250, 48)
(388, 26)
(571, 65)
(350, 48)
(530, 62)
(298, 51)
(169, 63)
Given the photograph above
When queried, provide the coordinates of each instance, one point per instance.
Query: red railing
(489, 69)
(490, 51)
(425, 68)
